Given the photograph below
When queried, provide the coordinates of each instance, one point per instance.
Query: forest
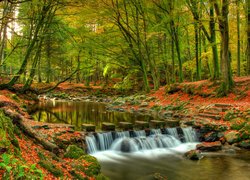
(90, 86)
(143, 44)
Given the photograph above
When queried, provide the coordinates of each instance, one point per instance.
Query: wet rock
(126, 126)
(244, 144)
(157, 123)
(172, 122)
(193, 155)
(141, 124)
(209, 146)
(88, 127)
(211, 137)
(106, 126)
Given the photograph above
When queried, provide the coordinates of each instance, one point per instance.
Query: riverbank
(219, 122)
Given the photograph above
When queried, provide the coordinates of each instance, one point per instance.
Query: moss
(15, 97)
(51, 168)
(229, 115)
(41, 156)
(101, 177)
(94, 167)
(237, 123)
(73, 152)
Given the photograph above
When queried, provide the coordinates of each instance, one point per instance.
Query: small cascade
(173, 132)
(138, 140)
(124, 145)
(91, 144)
(122, 134)
(105, 140)
(140, 133)
(155, 131)
(189, 134)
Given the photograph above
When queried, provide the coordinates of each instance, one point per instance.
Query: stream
(133, 155)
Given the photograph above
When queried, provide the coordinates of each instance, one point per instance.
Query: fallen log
(19, 120)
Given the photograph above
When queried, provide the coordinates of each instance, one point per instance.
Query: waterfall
(105, 140)
(91, 144)
(155, 131)
(173, 132)
(125, 145)
(140, 133)
(124, 142)
(189, 134)
(122, 134)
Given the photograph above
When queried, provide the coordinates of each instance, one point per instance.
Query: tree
(224, 32)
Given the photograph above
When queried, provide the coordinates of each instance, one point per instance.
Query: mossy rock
(232, 137)
(51, 168)
(74, 152)
(245, 131)
(101, 177)
(237, 123)
(229, 115)
(94, 167)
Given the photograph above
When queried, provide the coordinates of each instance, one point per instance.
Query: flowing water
(132, 155)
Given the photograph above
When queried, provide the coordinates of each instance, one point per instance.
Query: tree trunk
(248, 38)
(225, 59)
(238, 37)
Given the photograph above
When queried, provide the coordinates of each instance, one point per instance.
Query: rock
(232, 137)
(209, 146)
(212, 116)
(193, 155)
(167, 114)
(157, 124)
(88, 127)
(73, 152)
(106, 126)
(144, 104)
(172, 122)
(126, 126)
(211, 137)
(244, 144)
(3, 150)
(141, 124)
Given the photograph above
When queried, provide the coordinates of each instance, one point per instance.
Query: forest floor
(197, 94)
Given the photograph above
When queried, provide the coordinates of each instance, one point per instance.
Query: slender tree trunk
(198, 69)
(248, 38)
(238, 37)
(216, 68)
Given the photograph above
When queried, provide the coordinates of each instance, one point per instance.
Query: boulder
(232, 137)
(244, 144)
(193, 155)
(211, 137)
(209, 146)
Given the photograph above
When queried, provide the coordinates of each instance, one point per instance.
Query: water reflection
(77, 113)
(172, 165)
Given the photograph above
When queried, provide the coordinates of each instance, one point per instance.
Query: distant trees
(136, 43)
